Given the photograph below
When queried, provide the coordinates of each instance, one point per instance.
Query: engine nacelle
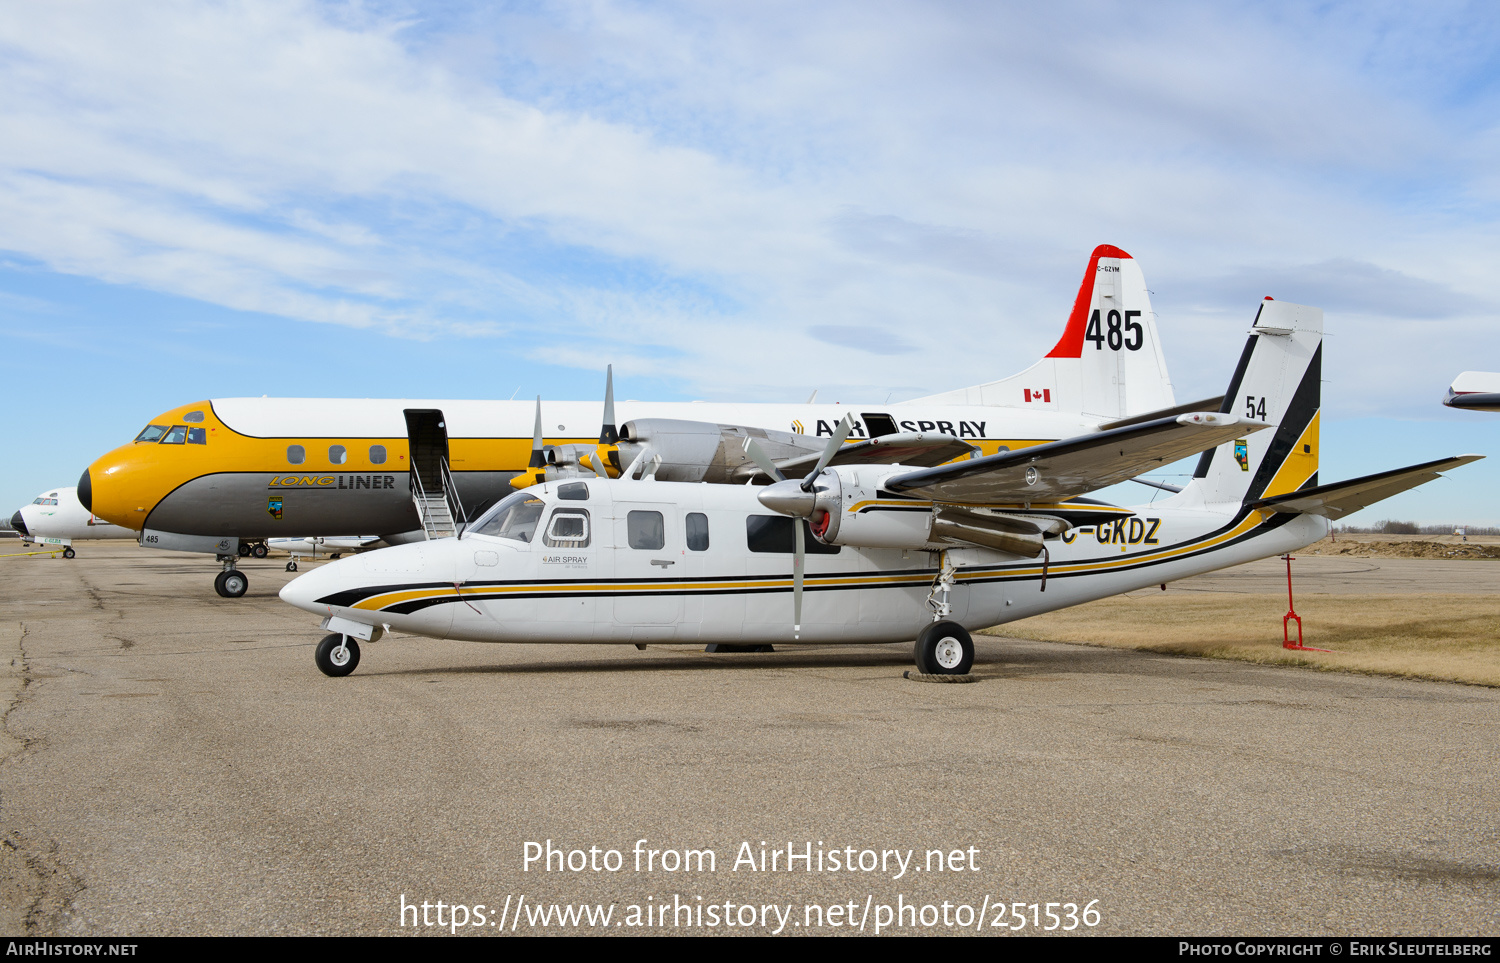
(851, 508)
(701, 451)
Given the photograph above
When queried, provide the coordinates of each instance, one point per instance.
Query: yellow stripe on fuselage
(133, 479)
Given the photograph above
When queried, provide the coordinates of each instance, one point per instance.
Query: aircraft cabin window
(337, 454)
(515, 518)
(295, 454)
(377, 454)
(193, 416)
(573, 492)
(772, 534)
(175, 436)
(645, 530)
(569, 528)
(151, 433)
(697, 531)
(197, 436)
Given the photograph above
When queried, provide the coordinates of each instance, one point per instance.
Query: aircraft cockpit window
(296, 454)
(337, 454)
(175, 435)
(197, 436)
(697, 532)
(193, 416)
(151, 433)
(515, 517)
(377, 454)
(645, 530)
(569, 528)
(573, 492)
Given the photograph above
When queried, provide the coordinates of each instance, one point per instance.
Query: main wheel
(944, 648)
(259, 550)
(337, 655)
(68, 551)
(292, 565)
(244, 550)
(232, 584)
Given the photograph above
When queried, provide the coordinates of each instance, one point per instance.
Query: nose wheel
(68, 552)
(337, 655)
(944, 648)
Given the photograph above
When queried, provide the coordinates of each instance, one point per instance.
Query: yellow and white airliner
(884, 553)
(209, 475)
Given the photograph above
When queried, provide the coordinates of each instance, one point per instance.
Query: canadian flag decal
(1038, 394)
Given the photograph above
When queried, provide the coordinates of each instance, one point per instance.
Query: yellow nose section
(126, 484)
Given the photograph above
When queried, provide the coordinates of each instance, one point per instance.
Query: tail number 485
(1113, 331)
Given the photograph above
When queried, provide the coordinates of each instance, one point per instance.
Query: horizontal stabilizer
(1474, 391)
(921, 449)
(1342, 498)
(1063, 469)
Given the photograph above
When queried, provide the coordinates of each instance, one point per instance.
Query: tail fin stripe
(1229, 396)
(1299, 416)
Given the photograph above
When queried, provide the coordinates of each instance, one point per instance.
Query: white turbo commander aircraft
(883, 553)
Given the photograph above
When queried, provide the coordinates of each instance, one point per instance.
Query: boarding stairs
(433, 491)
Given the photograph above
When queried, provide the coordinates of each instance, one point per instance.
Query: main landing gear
(257, 550)
(337, 655)
(231, 583)
(292, 565)
(944, 647)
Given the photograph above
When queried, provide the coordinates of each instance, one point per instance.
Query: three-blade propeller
(799, 500)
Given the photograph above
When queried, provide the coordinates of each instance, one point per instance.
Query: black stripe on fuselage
(734, 585)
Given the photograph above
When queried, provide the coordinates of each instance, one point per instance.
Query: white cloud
(708, 191)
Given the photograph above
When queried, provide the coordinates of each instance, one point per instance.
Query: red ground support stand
(1291, 613)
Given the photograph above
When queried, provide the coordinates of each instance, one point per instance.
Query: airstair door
(427, 444)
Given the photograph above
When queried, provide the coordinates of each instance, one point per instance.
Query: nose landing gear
(337, 655)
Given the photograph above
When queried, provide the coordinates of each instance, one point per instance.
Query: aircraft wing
(1474, 391)
(921, 449)
(1063, 469)
(1341, 498)
(1203, 404)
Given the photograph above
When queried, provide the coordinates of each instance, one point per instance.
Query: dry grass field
(1449, 637)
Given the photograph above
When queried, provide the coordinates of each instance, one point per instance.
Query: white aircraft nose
(305, 590)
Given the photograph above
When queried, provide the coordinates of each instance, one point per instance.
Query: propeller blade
(834, 444)
(538, 458)
(799, 561)
(608, 434)
(762, 461)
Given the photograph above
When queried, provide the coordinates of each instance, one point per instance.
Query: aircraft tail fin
(1108, 363)
(1279, 381)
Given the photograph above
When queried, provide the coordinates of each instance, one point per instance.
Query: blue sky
(463, 200)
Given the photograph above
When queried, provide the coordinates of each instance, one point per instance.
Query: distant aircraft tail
(1279, 381)
(1108, 363)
